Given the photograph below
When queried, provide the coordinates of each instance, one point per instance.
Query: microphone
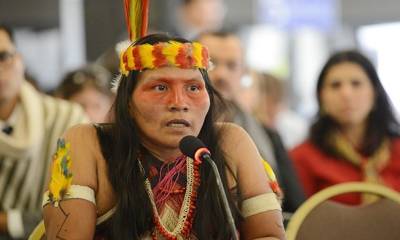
(193, 147)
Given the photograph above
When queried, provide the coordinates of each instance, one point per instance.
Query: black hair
(8, 31)
(381, 122)
(134, 215)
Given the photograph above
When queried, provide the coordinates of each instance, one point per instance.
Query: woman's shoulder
(235, 141)
(83, 139)
(85, 130)
(232, 135)
(229, 130)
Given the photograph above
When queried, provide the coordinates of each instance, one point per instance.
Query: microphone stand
(223, 196)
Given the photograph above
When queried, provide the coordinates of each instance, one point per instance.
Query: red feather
(145, 17)
(127, 13)
(136, 17)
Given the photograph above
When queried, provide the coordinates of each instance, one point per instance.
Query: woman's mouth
(178, 123)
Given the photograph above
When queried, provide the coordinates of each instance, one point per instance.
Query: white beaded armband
(260, 203)
(74, 192)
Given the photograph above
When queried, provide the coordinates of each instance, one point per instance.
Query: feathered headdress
(148, 56)
(136, 17)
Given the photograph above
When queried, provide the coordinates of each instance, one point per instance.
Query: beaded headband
(148, 56)
(172, 53)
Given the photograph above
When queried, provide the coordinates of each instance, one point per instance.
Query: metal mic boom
(195, 148)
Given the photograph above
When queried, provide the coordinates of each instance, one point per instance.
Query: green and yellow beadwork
(61, 176)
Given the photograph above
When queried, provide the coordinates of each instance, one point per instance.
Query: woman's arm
(243, 155)
(265, 225)
(73, 218)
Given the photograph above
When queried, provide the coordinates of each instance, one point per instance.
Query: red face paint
(167, 104)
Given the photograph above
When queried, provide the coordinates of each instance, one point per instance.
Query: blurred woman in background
(355, 136)
(90, 87)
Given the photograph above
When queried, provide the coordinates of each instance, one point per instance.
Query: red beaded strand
(187, 225)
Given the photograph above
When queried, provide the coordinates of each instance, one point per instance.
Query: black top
(287, 177)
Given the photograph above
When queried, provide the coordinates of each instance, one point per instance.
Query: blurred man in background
(194, 17)
(227, 57)
(271, 109)
(30, 125)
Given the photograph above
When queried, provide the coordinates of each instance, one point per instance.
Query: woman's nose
(346, 90)
(177, 101)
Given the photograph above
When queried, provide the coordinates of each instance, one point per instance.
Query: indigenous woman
(355, 136)
(129, 180)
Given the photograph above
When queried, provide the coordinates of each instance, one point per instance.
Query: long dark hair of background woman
(381, 121)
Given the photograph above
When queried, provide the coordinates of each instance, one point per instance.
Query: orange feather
(136, 17)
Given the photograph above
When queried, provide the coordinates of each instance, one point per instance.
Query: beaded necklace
(186, 214)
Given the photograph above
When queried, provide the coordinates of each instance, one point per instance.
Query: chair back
(320, 218)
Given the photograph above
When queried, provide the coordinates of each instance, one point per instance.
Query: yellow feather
(146, 55)
(61, 176)
(122, 66)
(197, 54)
(171, 50)
(269, 171)
(129, 55)
(135, 19)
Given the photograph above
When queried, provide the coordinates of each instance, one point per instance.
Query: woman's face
(95, 103)
(347, 94)
(169, 103)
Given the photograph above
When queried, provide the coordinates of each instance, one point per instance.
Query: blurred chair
(320, 218)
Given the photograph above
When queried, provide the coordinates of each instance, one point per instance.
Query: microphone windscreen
(189, 145)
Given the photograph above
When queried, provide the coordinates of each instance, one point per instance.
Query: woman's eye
(194, 88)
(356, 83)
(160, 88)
(335, 84)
